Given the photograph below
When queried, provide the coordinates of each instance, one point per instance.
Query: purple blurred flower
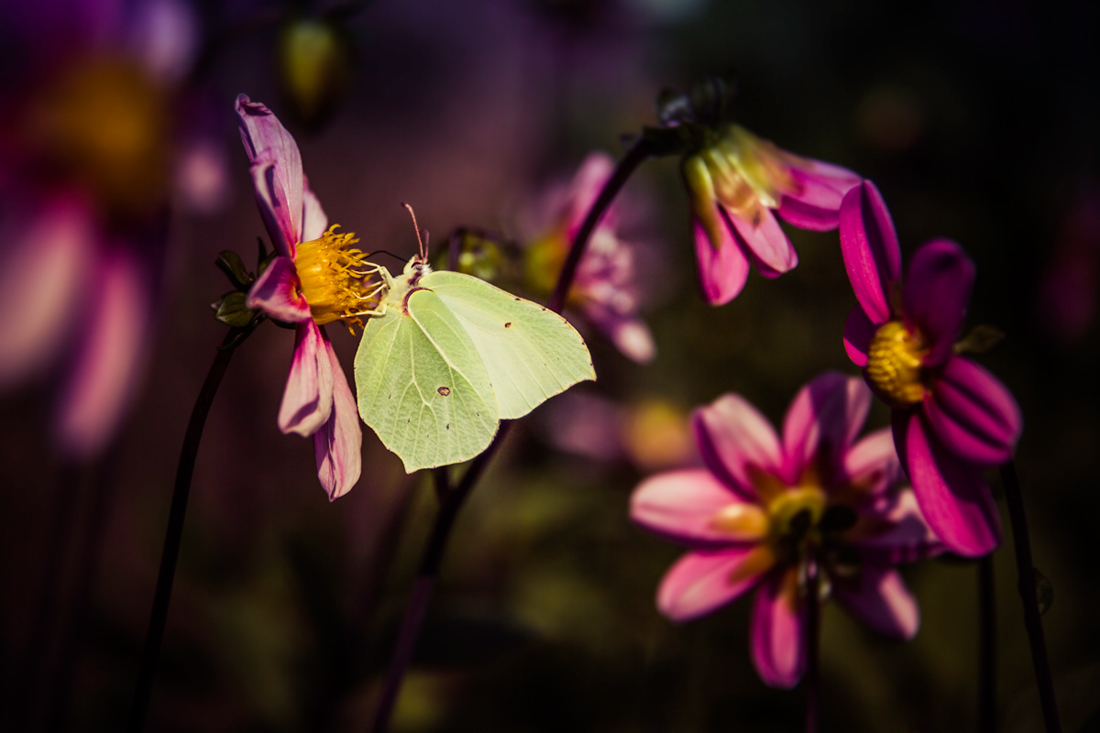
(951, 418)
(734, 182)
(86, 161)
(765, 506)
(318, 277)
(605, 288)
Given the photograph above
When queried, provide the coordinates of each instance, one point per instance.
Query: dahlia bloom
(318, 277)
(764, 507)
(734, 182)
(951, 418)
(604, 288)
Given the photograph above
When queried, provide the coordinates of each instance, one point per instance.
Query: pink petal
(816, 205)
(43, 276)
(339, 443)
(869, 244)
(109, 356)
(824, 418)
(858, 332)
(722, 269)
(777, 631)
(276, 172)
(681, 505)
(872, 464)
(307, 400)
(735, 439)
(937, 292)
(585, 189)
(878, 597)
(314, 219)
(702, 581)
(276, 293)
(765, 242)
(973, 414)
(164, 36)
(633, 339)
(903, 534)
(952, 493)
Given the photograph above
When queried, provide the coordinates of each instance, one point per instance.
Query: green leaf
(231, 264)
(980, 340)
(453, 355)
(231, 310)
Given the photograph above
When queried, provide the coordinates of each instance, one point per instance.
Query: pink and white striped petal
(276, 172)
(704, 580)
(777, 630)
(683, 505)
(276, 293)
(307, 399)
(735, 440)
(338, 444)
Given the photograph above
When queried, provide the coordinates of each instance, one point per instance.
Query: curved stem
(1026, 572)
(452, 500)
(174, 533)
(813, 635)
(987, 647)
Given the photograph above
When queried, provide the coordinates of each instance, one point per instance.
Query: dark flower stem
(452, 501)
(987, 647)
(174, 533)
(1026, 571)
(813, 636)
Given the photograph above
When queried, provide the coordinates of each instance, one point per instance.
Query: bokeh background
(977, 120)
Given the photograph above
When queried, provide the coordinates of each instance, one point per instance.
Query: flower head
(318, 277)
(951, 418)
(735, 180)
(765, 506)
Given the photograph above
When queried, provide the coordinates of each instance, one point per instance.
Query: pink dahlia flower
(951, 418)
(318, 277)
(764, 506)
(734, 183)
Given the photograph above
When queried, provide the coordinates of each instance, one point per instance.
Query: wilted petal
(952, 493)
(937, 292)
(276, 293)
(816, 203)
(108, 358)
(973, 414)
(878, 597)
(827, 415)
(734, 439)
(682, 505)
(858, 332)
(723, 266)
(777, 631)
(276, 172)
(702, 581)
(307, 400)
(338, 444)
(869, 244)
(764, 241)
(314, 219)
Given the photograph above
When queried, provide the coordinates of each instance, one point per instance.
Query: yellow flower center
(894, 364)
(336, 279)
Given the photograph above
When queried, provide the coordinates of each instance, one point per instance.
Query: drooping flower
(735, 180)
(764, 507)
(951, 418)
(318, 277)
(605, 287)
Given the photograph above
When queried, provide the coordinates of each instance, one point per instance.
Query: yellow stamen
(784, 508)
(336, 279)
(894, 365)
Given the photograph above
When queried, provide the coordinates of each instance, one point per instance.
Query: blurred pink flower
(605, 288)
(318, 277)
(951, 418)
(765, 506)
(86, 161)
(734, 182)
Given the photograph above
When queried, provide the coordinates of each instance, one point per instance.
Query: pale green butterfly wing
(422, 384)
(530, 352)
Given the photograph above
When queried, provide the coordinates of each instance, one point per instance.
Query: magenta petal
(878, 597)
(702, 581)
(777, 633)
(906, 536)
(681, 505)
(869, 244)
(307, 400)
(824, 418)
(734, 438)
(108, 358)
(816, 205)
(276, 293)
(276, 172)
(585, 188)
(952, 493)
(937, 292)
(873, 463)
(766, 242)
(339, 443)
(973, 414)
(722, 270)
(858, 332)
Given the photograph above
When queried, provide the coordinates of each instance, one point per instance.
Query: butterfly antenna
(423, 248)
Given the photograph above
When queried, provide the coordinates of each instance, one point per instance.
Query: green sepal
(232, 265)
(231, 310)
(981, 339)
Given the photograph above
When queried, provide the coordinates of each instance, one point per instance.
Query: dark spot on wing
(508, 324)
(447, 426)
(444, 391)
(544, 308)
